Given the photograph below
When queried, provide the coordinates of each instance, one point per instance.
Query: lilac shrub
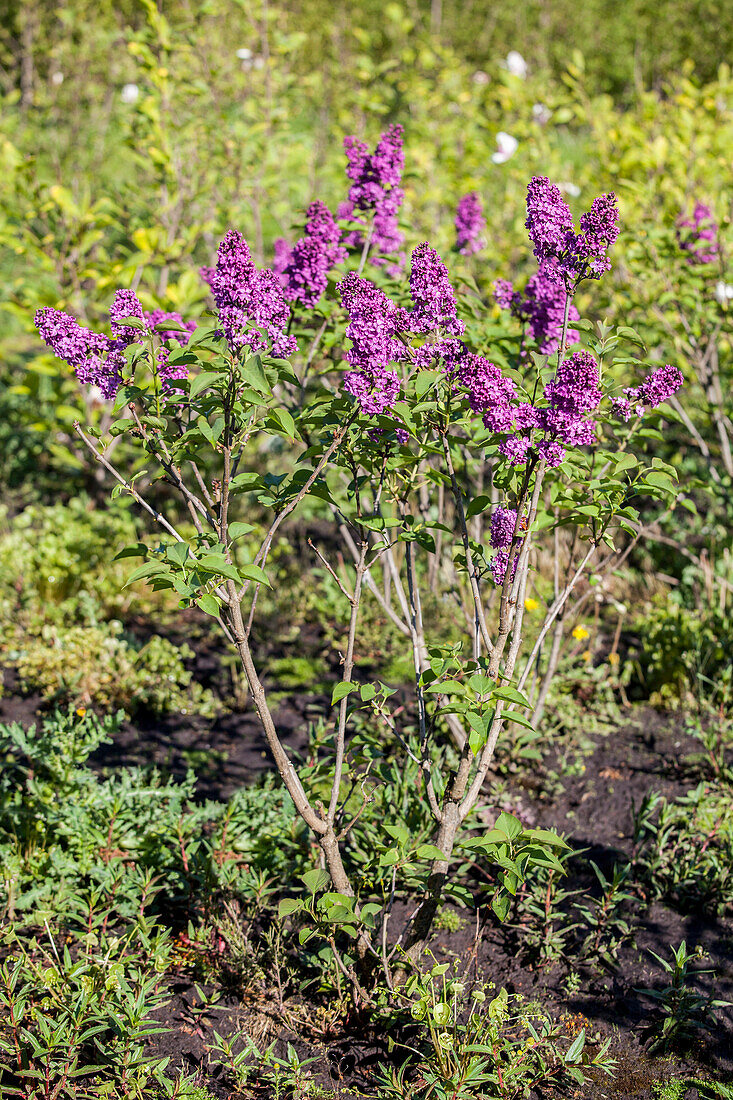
(394, 435)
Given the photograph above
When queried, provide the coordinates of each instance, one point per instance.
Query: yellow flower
(613, 659)
(530, 604)
(580, 633)
(81, 711)
(586, 655)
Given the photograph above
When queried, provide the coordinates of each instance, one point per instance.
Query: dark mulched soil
(594, 810)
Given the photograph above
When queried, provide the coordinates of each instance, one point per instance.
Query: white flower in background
(244, 54)
(130, 93)
(57, 78)
(506, 147)
(569, 188)
(541, 113)
(723, 292)
(516, 64)
(259, 63)
(480, 77)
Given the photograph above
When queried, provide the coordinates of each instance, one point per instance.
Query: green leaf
(288, 906)
(508, 824)
(546, 836)
(342, 689)
(146, 570)
(137, 551)
(429, 851)
(501, 903)
(477, 505)
(217, 563)
(202, 381)
(315, 880)
(255, 376)
(209, 604)
(177, 552)
(236, 530)
(575, 1050)
(254, 573)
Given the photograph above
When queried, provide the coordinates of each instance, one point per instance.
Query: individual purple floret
(434, 302)
(470, 224)
(252, 309)
(305, 275)
(698, 235)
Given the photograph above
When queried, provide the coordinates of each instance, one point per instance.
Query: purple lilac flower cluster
(373, 324)
(251, 304)
(96, 359)
(542, 307)
(564, 422)
(375, 188)
(563, 254)
(656, 388)
(376, 323)
(470, 224)
(698, 235)
(503, 524)
(434, 302)
(304, 268)
(99, 360)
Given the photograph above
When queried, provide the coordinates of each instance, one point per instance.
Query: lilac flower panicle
(169, 373)
(499, 565)
(124, 305)
(434, 302)
(599, 230)
(576, 388)
(542, 307)
(373, 324)
(565, 255)
(282, 253)
(374, 394)
(375, 189)
(503, 522)
(86, 352)
(252, 309)
(470, 224)
(549, 221)
(505, 295)
(305, 275)
(657, 387)
(490, 393)
(698, 235)
(660, 385)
